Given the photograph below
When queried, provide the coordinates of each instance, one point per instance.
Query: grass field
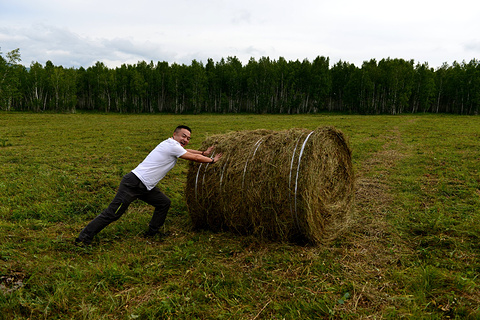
(412, 251)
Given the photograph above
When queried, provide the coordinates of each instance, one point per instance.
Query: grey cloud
(43, 42)
(242, 16)
(473, 46)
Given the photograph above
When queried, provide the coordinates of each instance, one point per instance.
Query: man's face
(182, 136)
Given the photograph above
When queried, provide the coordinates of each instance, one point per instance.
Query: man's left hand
(209, 151)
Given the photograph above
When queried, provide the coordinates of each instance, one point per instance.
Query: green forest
(388, 86)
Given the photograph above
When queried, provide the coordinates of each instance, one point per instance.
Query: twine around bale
(257, 144)
(298, 170)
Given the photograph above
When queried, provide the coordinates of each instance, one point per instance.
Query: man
(141, 183)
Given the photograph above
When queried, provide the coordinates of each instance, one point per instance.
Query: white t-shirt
(157, 164)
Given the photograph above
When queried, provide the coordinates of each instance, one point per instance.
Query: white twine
(298, 171)
(291, 163)
(221, 175)
(257, 144)
(290, 176)
(196, 181)
(205, 171)
(203, 178)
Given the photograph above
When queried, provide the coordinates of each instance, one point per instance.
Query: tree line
(388, 86)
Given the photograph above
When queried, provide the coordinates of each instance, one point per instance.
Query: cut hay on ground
(288, 185)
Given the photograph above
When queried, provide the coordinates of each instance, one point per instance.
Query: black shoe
(157, 234)
(150, 233)
(82, 243)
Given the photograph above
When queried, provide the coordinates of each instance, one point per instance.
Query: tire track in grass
(372, 248)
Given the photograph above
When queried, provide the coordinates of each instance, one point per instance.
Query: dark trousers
(130, 189)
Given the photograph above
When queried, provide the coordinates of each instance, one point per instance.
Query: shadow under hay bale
(282, 185)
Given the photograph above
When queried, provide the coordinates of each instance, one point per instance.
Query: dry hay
(282, 185)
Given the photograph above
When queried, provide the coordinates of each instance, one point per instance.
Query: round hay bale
(282, 185)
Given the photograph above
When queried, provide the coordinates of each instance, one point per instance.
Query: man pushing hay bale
(282, 185)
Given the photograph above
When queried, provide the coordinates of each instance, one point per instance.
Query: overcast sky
(75, 33)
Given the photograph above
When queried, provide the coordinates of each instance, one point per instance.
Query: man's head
(182, 135)
(183, 127)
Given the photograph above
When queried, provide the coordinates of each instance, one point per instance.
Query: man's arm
(206, 153)
(197, 157)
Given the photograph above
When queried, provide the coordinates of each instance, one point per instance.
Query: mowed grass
(412, 251)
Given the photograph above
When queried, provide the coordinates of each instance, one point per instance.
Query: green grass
(412, 252)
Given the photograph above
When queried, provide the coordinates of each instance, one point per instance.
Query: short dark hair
(183, 127)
